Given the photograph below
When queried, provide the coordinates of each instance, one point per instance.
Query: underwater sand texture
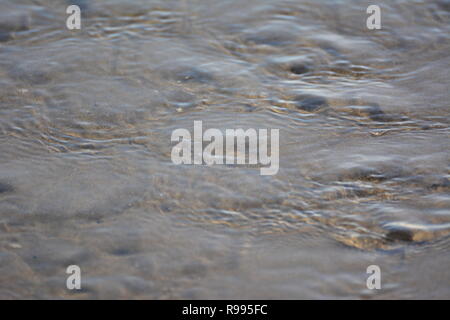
(86, 176)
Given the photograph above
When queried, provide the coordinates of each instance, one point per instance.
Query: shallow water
(86, 176)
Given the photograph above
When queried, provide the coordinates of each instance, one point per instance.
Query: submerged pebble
(87, 176)
(402, 231)
(399, 233)
(375, 113)
(310, 103)
(14, 23)
(83, 4)
(5, 187)
(298, 68)
(5, 36)
(442, 185)
(372, 111)
(11, 24)
(444, 4)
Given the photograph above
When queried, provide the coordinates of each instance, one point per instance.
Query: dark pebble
(442, 185)
(298, 68)
(399, 234)
(5, 187)
(310, 103)
(5, 36)
(444, 4)
(375, 113)
(83, 4)
(15, 23)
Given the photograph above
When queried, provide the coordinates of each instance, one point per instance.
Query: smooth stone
(298, 68)
(402, 231)
(83, 4)
(5, 187)
(14, 23)
(373, 112)
(400, 234)
(310, 103)
(5, 36)
(442, 185)
(376, 113)
(444, 4)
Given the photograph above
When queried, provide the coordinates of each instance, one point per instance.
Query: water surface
(86, 176)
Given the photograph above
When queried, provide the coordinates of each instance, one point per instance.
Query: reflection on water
(85, 171)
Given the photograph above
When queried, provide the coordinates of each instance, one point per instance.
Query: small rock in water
(442, 185)
(5, 187)
(14, 23)
(444, 4)
(375, 113)
(402, 231)
(372, 112)
(310, 103)
(5, 36)
(83, 4)
(11, 24)
(400, 234)
(298, 68)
